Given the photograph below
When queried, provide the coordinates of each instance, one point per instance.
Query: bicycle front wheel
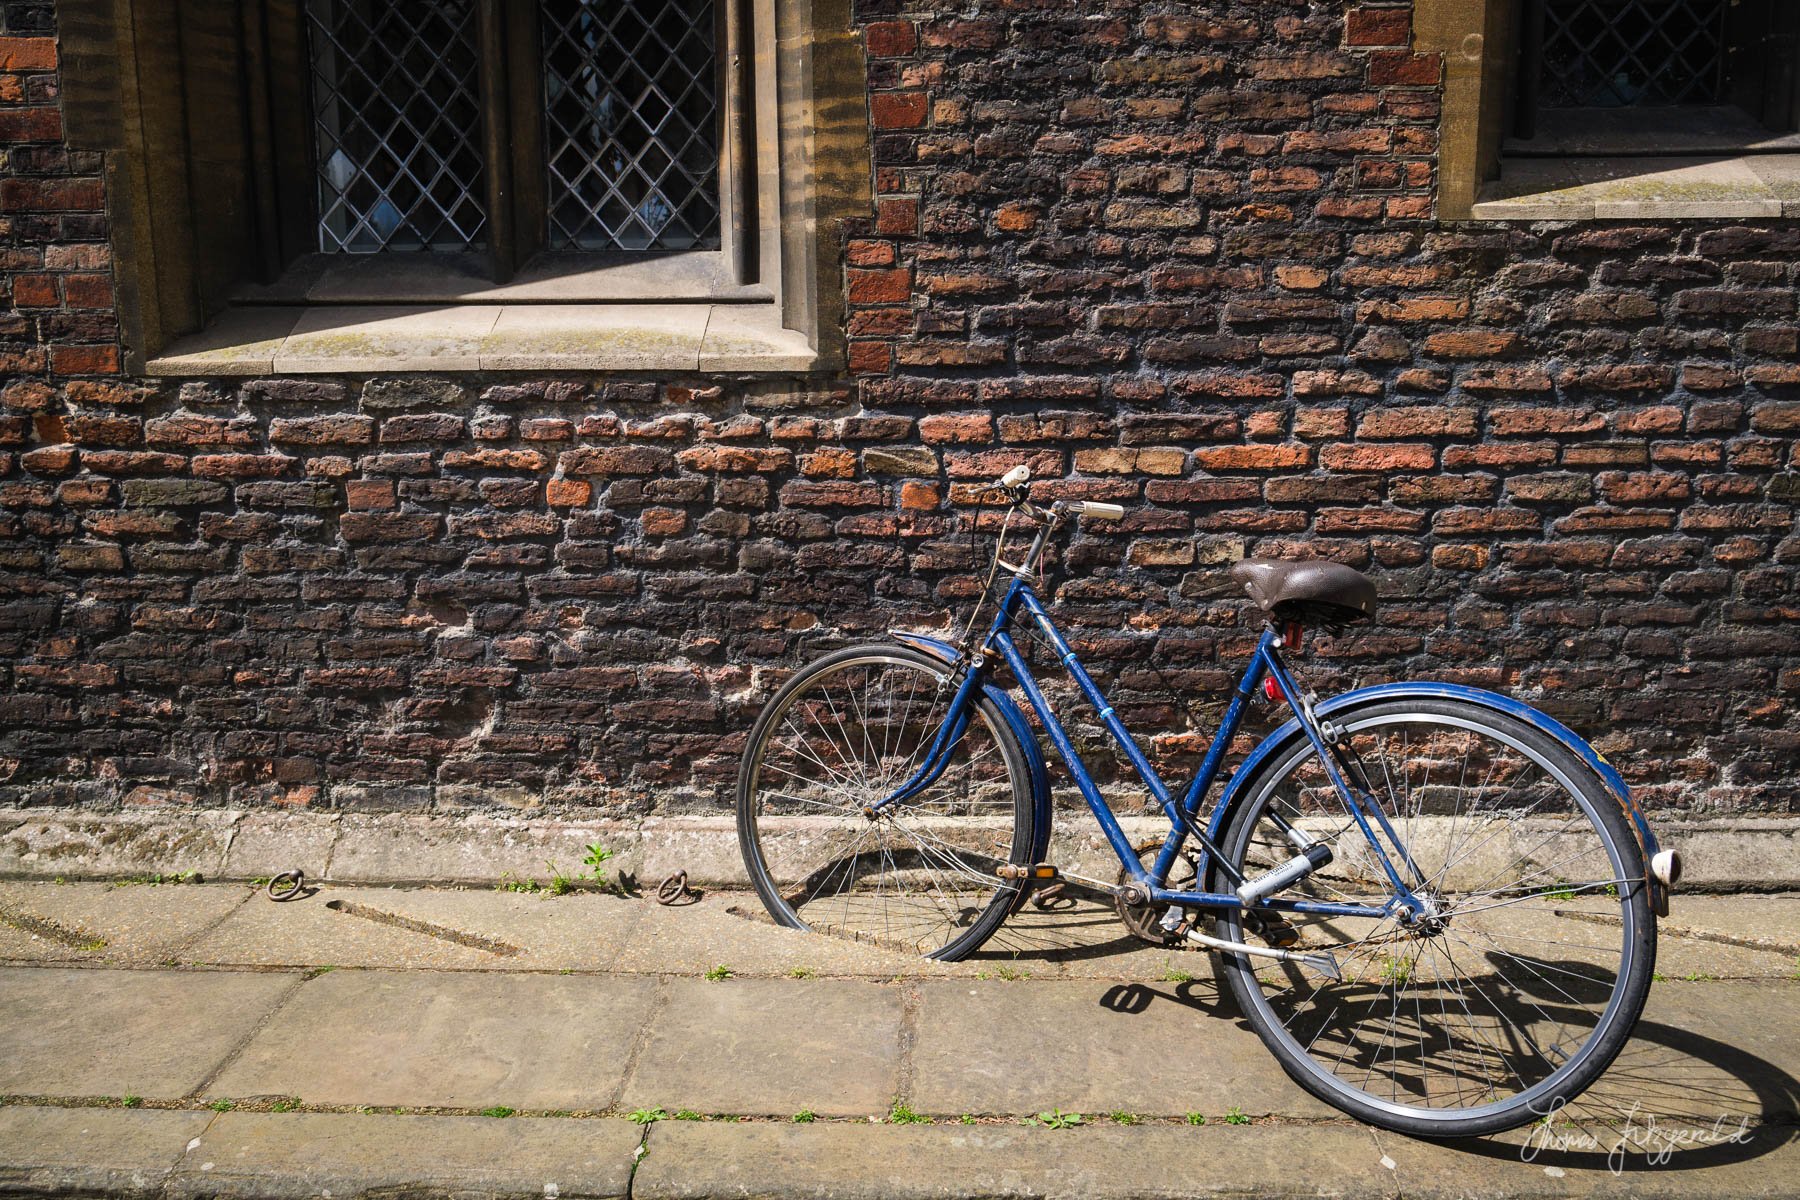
(1523, 977)
(919, 875)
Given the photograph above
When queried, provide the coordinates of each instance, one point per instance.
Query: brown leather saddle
(1313, 593)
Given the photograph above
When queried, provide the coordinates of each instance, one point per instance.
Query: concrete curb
(139, 1155)
(1726, 854)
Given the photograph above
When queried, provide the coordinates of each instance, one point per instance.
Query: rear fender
(1021, 728)
(1614, 783)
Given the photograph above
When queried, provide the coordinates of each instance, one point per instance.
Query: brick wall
(1177, 255)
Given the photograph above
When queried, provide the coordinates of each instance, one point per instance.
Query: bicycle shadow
(1674, 1099)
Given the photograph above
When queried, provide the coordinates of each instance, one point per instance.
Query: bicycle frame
(1265, 662)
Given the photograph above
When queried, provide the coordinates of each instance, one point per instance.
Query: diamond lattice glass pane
(1625, 53)
(397, 125)
(631, 116)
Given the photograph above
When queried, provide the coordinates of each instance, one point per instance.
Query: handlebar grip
(1095, 510)
(1018, 475)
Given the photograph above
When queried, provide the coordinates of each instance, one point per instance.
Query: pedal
(1037, 875)
(1273, 928)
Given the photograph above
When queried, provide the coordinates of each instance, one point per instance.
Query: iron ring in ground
(286, 885)
(674, 891)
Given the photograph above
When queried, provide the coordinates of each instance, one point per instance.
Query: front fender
(1615, 784)
(1021, 728)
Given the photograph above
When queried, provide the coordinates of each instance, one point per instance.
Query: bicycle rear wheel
(1500, 1005)
(920, 875)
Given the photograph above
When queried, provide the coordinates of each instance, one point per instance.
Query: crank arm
(1322, 962)
(1045, 876)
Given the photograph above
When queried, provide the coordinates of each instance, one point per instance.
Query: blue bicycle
(1436, 905)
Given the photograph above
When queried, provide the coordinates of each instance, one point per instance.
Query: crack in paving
(1741, 941)
(442, 932)
(44, 927)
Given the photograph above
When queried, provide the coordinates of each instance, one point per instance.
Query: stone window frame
(1477, 40)
(147, 87)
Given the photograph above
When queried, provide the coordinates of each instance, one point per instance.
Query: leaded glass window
(397, 125)
(631, 124)
(1622, 53)
(503, 128)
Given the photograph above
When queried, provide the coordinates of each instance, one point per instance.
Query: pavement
(199, 1040)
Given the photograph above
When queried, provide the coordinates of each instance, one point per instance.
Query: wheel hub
(1426, 914)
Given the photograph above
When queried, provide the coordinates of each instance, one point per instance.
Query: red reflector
(1272, 690)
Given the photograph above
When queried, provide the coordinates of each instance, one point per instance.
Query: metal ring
(286, 885)
(675, 890)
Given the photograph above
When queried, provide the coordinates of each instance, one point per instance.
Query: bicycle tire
(1479, 922)
(956, 832)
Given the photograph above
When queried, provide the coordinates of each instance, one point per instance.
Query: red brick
(1511, 422)
(1621, 377)
(22, 125)
(1473, 343)
(84, 360)
(736, 459)
(871, 358)
(1506, 379)
(363, 495)
(1414, 308)
(897, 216)
(612, 460)
(1427, 421)
(1378, 27)
(323, 431)
(890, 39)
(52, 195)
(27, 54)
(881, 287)
(897, 110)
(35, 291)
(88, 291)
(1391, 67)
(962, 427)
(1402, 457)
(1252, 458)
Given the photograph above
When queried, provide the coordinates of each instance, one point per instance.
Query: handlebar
(1014, 482)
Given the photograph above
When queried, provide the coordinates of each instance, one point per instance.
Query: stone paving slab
(91, 1151)
(694, 939)
(1148, 1049)
(252, 1156)
(344, 926)
(850, 1162)
(480, 849)
(42, 843)
(1637, 1162)
(263, 1156)
(154, 1034)
(305, 933)
(446, 1040)
(138, 922)
(772, 1046)
(1773, 921)
(581, 931)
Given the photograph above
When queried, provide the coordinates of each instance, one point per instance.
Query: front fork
(943, 745)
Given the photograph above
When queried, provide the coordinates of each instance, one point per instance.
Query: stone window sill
(368, 339)
(1635, 189)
